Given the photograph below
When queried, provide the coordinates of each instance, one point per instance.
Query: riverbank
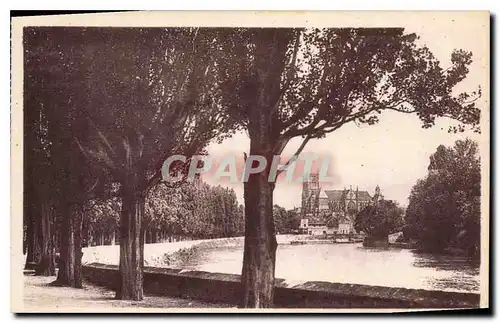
(166, 254)
(40, 297)
(336, 263)
(322, 241)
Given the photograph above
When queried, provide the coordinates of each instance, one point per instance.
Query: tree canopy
(444, 207)
(153, 93)
(379, 220)
(286, 83)
(201, 212)
(285, 221)
(316, 80)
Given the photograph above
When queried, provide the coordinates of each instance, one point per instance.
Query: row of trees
(171, 214)
(192, 212)
(184, 212)
(104, 108)
(444, 207)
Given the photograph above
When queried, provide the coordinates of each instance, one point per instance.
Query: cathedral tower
(310, 196)
(377, 196)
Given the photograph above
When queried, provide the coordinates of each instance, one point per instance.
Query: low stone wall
(215, 287)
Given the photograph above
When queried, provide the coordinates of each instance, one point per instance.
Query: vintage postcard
(250, 161)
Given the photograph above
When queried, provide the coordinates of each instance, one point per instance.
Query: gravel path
(40, 297)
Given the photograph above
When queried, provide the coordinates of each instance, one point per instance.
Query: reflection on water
(463, 274)
(351, 263)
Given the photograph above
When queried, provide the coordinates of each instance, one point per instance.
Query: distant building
(310, 197)
(332, 211)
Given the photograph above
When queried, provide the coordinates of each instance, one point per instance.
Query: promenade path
(40, 297)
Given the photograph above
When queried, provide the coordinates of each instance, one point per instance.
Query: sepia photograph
(234, 161)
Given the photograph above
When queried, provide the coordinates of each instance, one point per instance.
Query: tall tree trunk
(47, 266)
(85, 234)
(259, 255)
(155, 235)
(70, 271)
(32, 214)
(113, 237)
(78, 248)
(32, 238)
(30, 243)
(131, 246)
(66, 274)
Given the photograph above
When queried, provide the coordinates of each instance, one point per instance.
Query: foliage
(54, 93)
(141, 95)
(152, 93)
(285, 221)
(285, 83)
(379, 220)
(444, 208)
(311, 82)
(195, 212)
(184, 211)
(102, 219)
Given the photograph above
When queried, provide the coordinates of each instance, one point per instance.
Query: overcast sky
(395, 152)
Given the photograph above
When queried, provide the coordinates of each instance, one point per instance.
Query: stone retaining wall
(215, 287)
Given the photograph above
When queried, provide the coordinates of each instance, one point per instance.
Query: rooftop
(338, 195)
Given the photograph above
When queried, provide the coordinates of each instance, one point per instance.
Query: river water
(351, 263)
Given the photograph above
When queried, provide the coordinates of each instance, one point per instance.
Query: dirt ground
(40, 297)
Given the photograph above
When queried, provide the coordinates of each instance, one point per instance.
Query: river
(351, 263)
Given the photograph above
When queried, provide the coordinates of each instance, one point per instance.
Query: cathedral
(332, 211)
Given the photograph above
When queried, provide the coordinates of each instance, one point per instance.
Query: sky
(395, 152)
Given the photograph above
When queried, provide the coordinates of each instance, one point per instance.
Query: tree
(444, 208)
(127, 98)
(151, 95)
(287, 83)
(55, 167)
(379, 220)
(161, 212)
(285, 221)
(103, 219)
(279, 216)
(225, 208)
(190, 211)
(42, 150)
